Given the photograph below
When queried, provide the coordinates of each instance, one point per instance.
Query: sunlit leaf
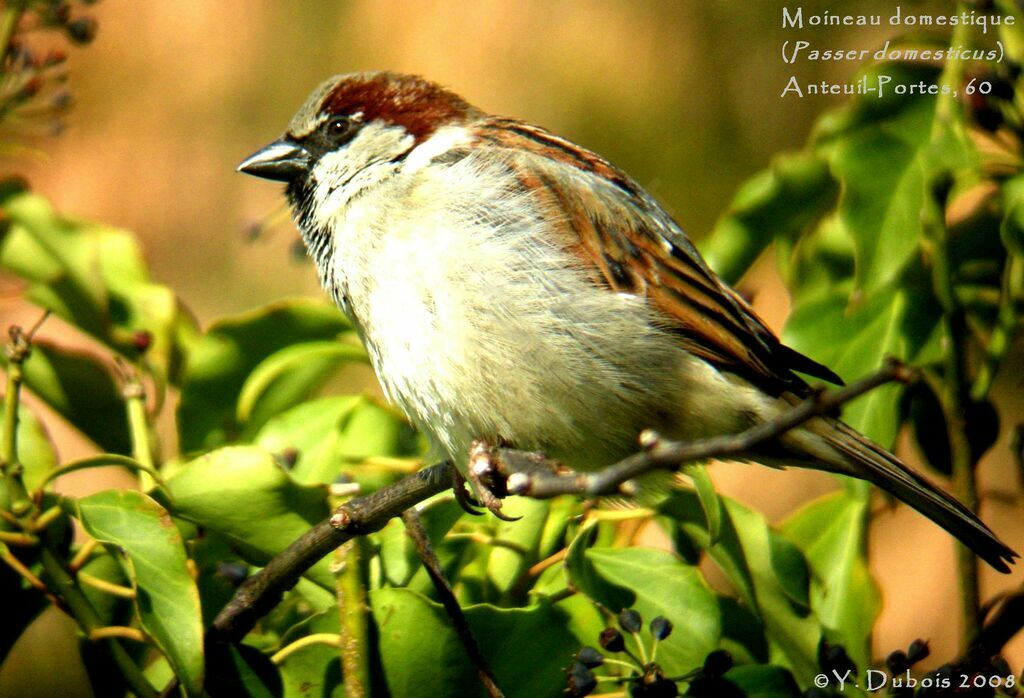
(527, 648)
(854, 343)
(244, 495)
(81, 389)
(777, 202)
(167, 599)
(222, 359)
(830, 531)
(743, 553)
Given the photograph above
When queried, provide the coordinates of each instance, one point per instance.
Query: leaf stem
(352, 607)
(329, 639)
(1002, 333)
(89, 621)
(17, 349)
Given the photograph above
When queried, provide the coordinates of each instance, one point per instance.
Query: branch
(261, 592)
(414, 529)
(532, 475)
(542, 483)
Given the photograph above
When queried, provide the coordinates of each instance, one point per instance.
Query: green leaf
(743, 553)
(312, 429)
(830, 531)
(661, 586)
(222, 359)
(886, 153)
(278, 366)
(1012, 228)
(333, 434)
(763, 681)
(527, 648)
(94, 276)
(80, 389)
(167, 599)
(313, 670)
(243, 494)
(398, 557)
(520, 541)
(709, 501)
(854, 342)
(780, 201)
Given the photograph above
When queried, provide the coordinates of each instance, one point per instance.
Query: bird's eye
(339, 126)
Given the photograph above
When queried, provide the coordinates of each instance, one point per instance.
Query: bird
(514, 287)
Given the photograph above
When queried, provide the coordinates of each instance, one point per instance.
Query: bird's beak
(284, 160)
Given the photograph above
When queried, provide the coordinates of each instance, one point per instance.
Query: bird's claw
(488, 482)
(462, 494)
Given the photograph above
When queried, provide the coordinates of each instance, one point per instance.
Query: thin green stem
(138, 426)
(89, 621)
(8, 23)
(954, 394)
(17, 498)
(1005, 327)
(352, 606)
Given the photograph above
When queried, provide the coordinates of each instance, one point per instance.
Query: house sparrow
(513, 286)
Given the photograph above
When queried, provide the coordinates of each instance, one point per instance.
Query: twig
(541, 484)
(262, 591)
(414, 528)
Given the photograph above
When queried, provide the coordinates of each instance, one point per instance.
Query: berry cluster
(642, 674)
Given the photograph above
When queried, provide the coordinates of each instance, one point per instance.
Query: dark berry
(612, 640)
(233, 572)
(590, 657)
(661, 628)
(896, 662)
(917, 651)
(581, 680)
(630, 621)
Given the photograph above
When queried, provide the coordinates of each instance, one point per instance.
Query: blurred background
(683, 94)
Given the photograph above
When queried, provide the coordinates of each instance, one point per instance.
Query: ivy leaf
(778, 202)
(829, 531)
(527, 648)
(80, 388)
(854, 342)
(744, 553)
(94, 276)
(222, 359)
(661, 585)
(243, 494)
(167, 599)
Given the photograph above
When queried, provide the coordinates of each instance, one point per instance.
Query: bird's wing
(631, 245)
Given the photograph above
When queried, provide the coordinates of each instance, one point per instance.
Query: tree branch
(529, 474)
(542, 483)
(261, 592)
(414, 529)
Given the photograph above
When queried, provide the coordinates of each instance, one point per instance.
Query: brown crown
(418, 105)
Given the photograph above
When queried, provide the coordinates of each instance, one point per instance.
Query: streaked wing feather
(630, 244)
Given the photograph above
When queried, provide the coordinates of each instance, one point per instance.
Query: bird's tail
(850, 453)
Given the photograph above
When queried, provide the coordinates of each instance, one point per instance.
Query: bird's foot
(488, 481)
(462, 494)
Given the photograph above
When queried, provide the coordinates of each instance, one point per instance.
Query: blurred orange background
(684, 95)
